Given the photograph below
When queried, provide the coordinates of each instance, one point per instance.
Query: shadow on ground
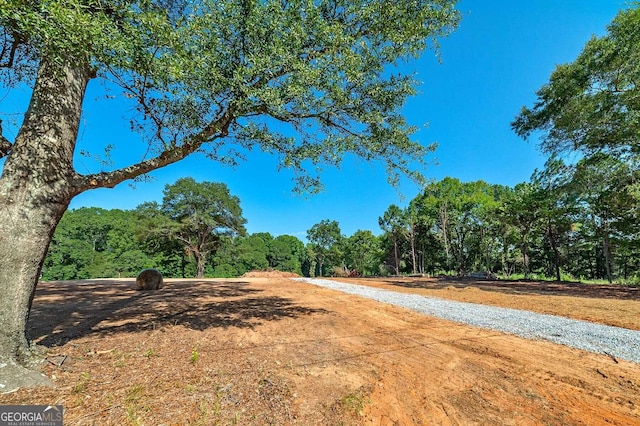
(63, 311)
(522, 287)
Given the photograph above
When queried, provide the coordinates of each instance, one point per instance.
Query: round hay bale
(149, 279)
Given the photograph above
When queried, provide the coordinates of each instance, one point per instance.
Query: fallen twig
(612, 357)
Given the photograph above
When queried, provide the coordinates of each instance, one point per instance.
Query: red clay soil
(270, 274)
(257, 351)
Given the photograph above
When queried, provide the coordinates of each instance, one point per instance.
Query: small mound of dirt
(270, 274)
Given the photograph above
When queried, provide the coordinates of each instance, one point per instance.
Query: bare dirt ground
(256, 351)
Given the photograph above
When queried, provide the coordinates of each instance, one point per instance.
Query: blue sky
(490, 67)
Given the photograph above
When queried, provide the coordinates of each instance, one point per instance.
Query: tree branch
(5, 145)
(15, 44)
(215, 130)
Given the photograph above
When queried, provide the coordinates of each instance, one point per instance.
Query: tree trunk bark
(525, 259)
(36, 186)
(395, 254)
(556, 253)
(445, 238)
(201, 259)
(459, 251)
(606, 247)
(413, 250)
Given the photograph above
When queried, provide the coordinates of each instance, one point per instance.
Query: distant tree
(259, 251)
(491, 232)
(286, 253)
(460, 213)
(199, 216)
(363, 252)
(226, 260)
(95, 243)
(431, 249)
(130, 263)
(520, 211)
(80, 242)
(393, 223)
(154, 237)
(71, 249)
(412, 229)
(324, 238)
(555, 207)
(252, 252)
(602, 184)
(125, 256)
(435, 212)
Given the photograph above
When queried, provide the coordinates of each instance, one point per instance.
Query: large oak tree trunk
(36, 187)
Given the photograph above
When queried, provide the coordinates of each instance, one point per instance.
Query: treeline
(92, 242)
(197, 231)
(568, 222)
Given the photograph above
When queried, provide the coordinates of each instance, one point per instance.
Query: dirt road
(273, 351)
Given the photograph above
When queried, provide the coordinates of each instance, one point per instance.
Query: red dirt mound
(270, 274)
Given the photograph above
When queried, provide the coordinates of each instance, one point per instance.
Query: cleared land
(271, 350)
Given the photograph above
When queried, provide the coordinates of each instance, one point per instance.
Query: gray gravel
(617, 342)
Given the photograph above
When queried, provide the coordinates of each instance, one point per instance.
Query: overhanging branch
(215, 130)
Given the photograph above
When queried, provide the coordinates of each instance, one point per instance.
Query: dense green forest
(568, 222)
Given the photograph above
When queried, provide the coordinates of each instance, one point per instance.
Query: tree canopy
(199, 216)
(324, 239)
(591, 106)
(203, 74)
(593, 103)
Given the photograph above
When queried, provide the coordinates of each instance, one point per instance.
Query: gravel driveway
(613, 341)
